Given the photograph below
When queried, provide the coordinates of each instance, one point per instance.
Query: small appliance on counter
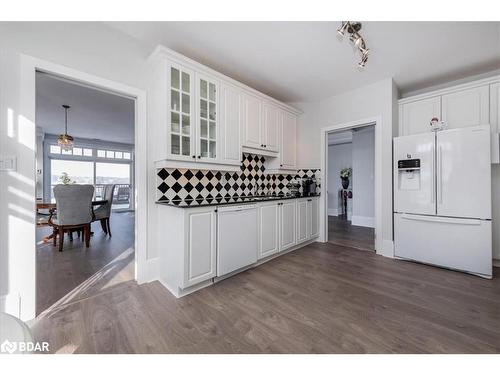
(308, 186)
(294, 188)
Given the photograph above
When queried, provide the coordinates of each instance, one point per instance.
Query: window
(75, 151)
(55, 149)
(110, 154)
(118, 155)
(101, 153)
(118, 174)
(79, 172)
(126, 155)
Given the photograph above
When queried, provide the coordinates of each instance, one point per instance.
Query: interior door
(464, 172)
(414, 189)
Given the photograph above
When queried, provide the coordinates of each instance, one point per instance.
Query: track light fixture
(353, 28)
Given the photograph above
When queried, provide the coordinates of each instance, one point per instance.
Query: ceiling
(308, 61)
(94, 114)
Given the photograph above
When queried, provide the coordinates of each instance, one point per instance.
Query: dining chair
(73, 210)
(103, 212)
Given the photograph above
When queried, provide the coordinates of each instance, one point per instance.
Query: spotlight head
(364, 59)
(341, 30)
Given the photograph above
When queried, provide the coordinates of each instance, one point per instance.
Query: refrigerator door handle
(439, 219)
(433, 175)
(440, 175)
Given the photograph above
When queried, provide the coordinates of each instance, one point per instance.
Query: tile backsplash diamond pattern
(206, 185)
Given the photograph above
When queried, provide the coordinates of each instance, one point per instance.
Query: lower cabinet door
(314, 211)
(287, 224)
(301, 220)
(200, 242)
(268, 229)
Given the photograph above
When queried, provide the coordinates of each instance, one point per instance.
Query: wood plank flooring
(342, 232)
(83, 271)
(323, 298)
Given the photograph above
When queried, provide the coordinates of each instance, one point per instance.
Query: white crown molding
(164, 52)
(451, 89)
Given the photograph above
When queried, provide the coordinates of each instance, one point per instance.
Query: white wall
(363, 177)
(376, 99)
(89, 47)
(339, 157)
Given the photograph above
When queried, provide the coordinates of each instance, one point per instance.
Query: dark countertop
(222, 201)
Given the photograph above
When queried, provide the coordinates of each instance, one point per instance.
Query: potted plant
(345, 174)
(65, 179)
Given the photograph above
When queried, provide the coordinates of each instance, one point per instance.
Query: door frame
(29, 66)
(323, 209)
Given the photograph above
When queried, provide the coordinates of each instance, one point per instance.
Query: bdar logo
(8, 347)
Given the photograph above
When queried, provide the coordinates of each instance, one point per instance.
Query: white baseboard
(151, 271)
(496, 262)
(386, 248)
(333, 212)
(363, 221)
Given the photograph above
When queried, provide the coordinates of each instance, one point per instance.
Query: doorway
(101, 156)
(350, 179)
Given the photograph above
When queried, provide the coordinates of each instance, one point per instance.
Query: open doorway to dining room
(350, 181)
(85, 163)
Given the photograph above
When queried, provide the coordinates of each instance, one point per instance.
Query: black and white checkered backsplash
(205, 185)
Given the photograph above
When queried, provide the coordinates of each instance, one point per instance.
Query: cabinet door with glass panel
(181, 135)
(208, 117)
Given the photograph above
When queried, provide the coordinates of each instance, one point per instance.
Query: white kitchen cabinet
(416, 116)
(181, 135)
(203, 119)
(207, 107)
(286, 162)
(261, 125)
(187, 246)
(466, 107)
(270, 127)
(269, 228)
(301, 220)
(200, 255)
(312, 217)
(252, 121)
(287, 213)
(230, 118)
(495, 122)
(288, 147)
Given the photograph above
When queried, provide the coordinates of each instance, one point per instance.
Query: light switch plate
(7, 163)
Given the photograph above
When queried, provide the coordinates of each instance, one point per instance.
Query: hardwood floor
(79, 270)
(342, 232)
(323, 298)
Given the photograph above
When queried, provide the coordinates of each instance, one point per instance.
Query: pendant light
(65, 140)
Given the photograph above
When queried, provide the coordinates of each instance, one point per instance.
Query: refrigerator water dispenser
(409, 174)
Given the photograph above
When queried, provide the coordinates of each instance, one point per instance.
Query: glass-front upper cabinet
(181, 137)
(207, 117)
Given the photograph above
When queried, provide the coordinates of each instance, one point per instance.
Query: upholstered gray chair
(74, 211)
(103, 212)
